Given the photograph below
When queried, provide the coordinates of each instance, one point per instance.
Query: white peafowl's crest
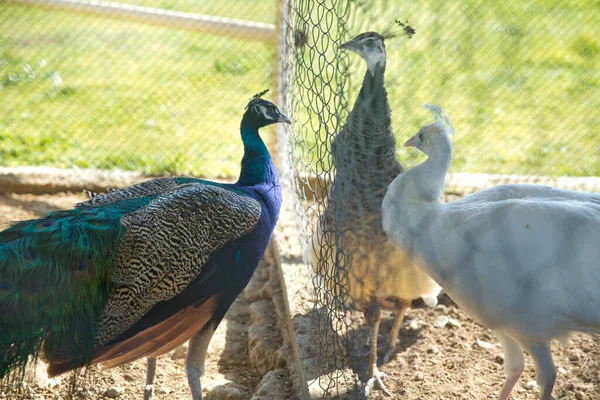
(440, 118)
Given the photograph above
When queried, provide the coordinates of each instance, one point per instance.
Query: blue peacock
(138, 271)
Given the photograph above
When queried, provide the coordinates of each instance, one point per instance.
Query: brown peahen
(138, 271)
(378, 274)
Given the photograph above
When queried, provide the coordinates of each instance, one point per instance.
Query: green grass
(79, 91)
(520, 82)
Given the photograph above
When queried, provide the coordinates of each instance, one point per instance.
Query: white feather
(524, 260)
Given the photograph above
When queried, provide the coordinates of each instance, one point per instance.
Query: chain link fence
(519, 82)
(155, 86)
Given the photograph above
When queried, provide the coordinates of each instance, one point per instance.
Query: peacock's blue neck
(257, 165)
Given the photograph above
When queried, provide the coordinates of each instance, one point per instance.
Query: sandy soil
(461, 360)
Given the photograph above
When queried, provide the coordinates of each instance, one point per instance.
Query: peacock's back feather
(73, 281)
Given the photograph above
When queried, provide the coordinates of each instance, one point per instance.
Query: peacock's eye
(421, 136)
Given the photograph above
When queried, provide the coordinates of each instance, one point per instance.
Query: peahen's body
(379, 275)
(137, 272)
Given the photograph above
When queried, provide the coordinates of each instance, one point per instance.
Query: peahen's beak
(349, 45)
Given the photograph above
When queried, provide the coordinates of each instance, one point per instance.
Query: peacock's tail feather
(54, 283)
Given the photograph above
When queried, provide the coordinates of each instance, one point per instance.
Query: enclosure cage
(519, 82)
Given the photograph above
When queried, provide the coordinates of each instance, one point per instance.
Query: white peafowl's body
(524, 260)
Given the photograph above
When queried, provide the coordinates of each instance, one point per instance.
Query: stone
(229, 391)
(114, 392)
(531, 385)
(454, 323)
(441, 321)
(484, 345)
(164, 390)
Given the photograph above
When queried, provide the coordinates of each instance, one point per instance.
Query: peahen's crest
(440, 118)
(398, 29)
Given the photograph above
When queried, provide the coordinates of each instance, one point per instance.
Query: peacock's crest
(256, 98)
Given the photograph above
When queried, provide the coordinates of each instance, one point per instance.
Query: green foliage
(519, 81)
(91, 92)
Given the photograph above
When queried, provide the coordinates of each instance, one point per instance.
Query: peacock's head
(433, 138)
(371, 45)
(262, 112)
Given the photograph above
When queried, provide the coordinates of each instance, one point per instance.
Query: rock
(114, 392)
(562, 371)
(441, 321)
(180, 352)
(228, 391)
(580, 396)
(274, 385)
(164, 390)
(570, 387)
(433, 350)
(454, 323)
(531, 385)
(574, 357)
(442, 308)
(418, 377)
(499, 359)
(484, 345)
(415, 324)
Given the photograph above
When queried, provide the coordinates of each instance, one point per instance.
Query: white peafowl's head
(433, 138)
(371, 45)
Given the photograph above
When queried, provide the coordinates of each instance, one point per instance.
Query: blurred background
(112, 89)
(85, 87)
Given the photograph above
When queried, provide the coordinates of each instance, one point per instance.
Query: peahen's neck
(372, 92)
(257, 165)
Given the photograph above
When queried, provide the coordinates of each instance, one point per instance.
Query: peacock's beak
(410, 142)
(283, 118)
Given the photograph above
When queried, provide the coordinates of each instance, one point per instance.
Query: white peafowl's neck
(426, 181)
(411, 208)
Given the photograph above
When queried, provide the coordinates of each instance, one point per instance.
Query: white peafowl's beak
(410, 142)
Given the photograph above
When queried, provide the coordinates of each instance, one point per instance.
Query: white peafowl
(379, 275)
(524, 260)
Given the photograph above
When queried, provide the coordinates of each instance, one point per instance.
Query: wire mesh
(119, 90)
(520, 83)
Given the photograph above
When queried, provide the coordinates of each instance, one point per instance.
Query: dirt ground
(461, 360)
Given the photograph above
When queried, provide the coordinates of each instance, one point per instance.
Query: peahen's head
(261, 112)
(434, 138)
(371, 45)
